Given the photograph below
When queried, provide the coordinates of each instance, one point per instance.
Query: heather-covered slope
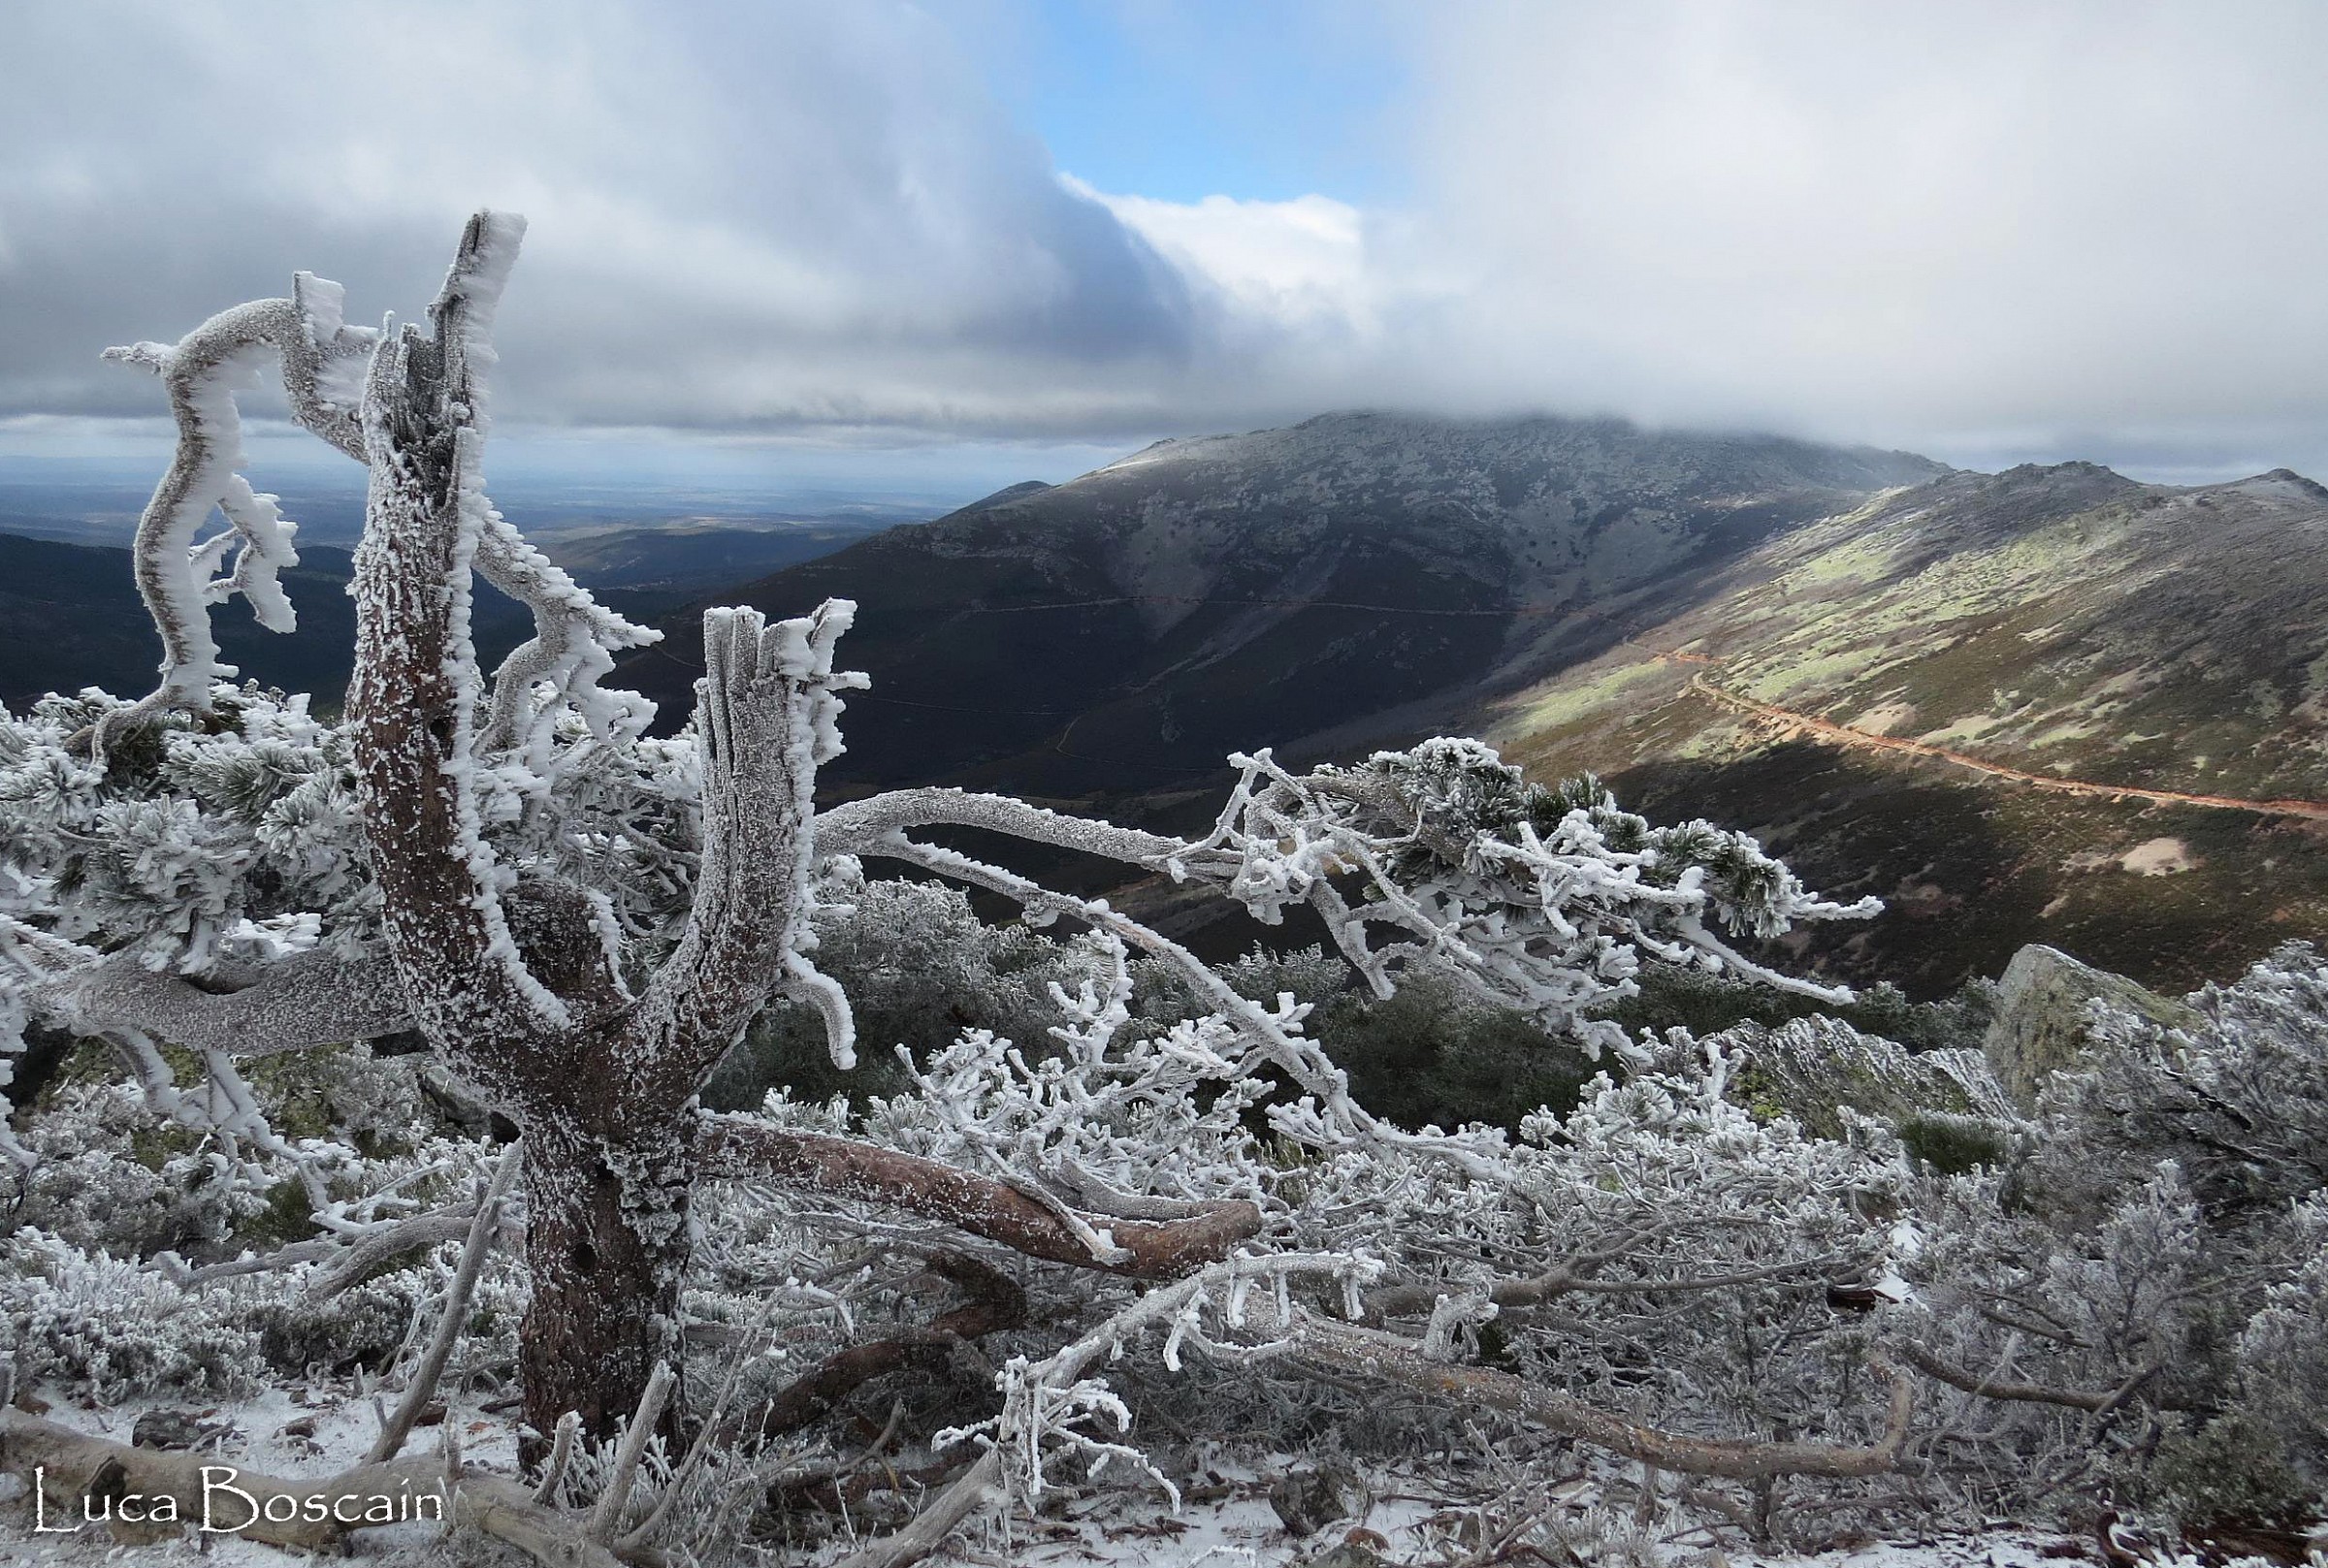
(2058, 625)
(1354, 576)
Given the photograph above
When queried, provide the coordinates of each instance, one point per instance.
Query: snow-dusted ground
(1404, 1528)
(327, 1433)
(1404, 1517)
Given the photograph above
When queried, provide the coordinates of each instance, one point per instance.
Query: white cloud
(1914, 222)
(763, 214)
(1981, 228)
(1302, 262)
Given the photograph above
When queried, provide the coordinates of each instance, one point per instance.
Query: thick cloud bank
(770, 214)
(1979, 223)
(1988, 231)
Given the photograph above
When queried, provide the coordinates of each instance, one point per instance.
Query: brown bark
(992, 1303)
(606, 1244)
(842, 1168)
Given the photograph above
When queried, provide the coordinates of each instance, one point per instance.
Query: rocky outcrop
(2040, 1026)
(1945, 1105)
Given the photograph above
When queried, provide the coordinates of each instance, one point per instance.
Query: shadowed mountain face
(1962, 658)
(1331, 585)
(69, 616)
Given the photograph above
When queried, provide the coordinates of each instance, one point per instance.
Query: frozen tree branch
(992, 1302)
(1392, 1301)
(742, 1148)
(1348, 1347)
(350, 1261)
(314, 998)
(455, 1319)
(322, 362)
(954, 1507)
(202, 372)
(766, 717)
(412, 698)
(1990, 1387)
(574, 642)
(615, 1496)
(861, 826)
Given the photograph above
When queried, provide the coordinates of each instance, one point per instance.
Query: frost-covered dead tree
(580, 922)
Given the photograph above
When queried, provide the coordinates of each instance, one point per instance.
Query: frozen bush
(104, 1327)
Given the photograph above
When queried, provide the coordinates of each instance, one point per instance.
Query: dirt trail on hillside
(1866, 741)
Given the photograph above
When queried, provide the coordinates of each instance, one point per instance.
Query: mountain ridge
(1131, 626)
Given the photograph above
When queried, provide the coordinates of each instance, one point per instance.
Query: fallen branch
(1401, 1300)
(456, 1315)
(930, 1527)
(1955, 1377)
(1370, 1353)
(741, 1148)
(995, 1302)
(615, 1495)
(376, 1252)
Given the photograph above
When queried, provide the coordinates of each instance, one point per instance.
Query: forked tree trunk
(606, 1243)
(511, 979)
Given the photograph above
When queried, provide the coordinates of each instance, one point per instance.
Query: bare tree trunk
(606, 1241)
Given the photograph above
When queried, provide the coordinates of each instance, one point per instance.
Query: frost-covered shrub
(2229, 1468)
(1430, 1056)
(348, 1094)
(108, 1180)
(2147, 1273)
(105, 1326)
(920, 967)
(2283, 1356)
(363, 1324)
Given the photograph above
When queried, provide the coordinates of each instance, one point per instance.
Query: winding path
(1867, 741)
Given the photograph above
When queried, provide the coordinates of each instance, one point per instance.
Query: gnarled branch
(202, 372)
(309, 999)
(767, 716)
(2099, 1402)
(991, 1301)
(411, 699)
(744, 1149)
(859, 826)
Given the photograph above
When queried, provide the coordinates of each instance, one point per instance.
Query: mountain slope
(1344, 577)
(1971, 667)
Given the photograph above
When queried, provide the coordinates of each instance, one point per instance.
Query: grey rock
(167, 1428)
(1946, 1105)
(2040, 1027)
(1307, 1501)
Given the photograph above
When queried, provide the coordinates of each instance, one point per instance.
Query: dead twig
(456, 1315)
